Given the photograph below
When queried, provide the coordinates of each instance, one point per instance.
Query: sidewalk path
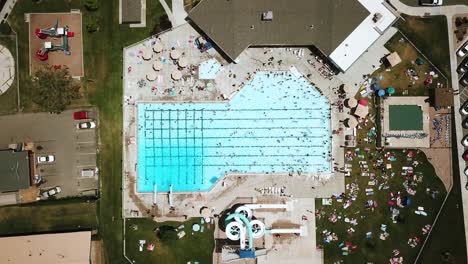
(179, 13)
(449, 12)
(168, 12)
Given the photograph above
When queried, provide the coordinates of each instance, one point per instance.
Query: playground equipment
(55, 32)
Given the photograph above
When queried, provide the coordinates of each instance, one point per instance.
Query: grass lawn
(397, 77)
(67, 215)
(9, 99)
(449, 233)
(376, 250)
(430, 36)
(103, 86)
(178, 251)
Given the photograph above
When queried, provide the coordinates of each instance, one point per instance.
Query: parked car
(51, 192)
(465, 123)
(430, 2)
(86, 125)
(464, 108)
(466, 171)
(463, 66)
(464, 80)
(45, 159)
(465, 155)
(463, 50)
(465, 141)
(83, 115)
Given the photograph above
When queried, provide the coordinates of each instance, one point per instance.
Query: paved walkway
(7, 9)
(449, 12)
(179, 13)
(168, 11)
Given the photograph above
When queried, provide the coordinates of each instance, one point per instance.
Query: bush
(92, 25)
(167, 233)
(91, 5)
(53, 89)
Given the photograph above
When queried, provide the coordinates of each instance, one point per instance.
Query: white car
(463, 50)
(52, 192)
(466, 171)
(431, 2)
(45, 159)
(465, 141)
(464, 108)
(86, 125)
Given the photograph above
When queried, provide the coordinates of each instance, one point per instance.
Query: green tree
(92, 25)
(91, 5)
(167, 233)
(53, 89)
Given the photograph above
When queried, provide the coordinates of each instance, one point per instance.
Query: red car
(83, 115)
(465, 155)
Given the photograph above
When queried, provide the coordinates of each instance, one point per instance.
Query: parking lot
(56, 135)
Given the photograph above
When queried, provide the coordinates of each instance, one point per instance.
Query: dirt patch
(440, 158)
(74, 61)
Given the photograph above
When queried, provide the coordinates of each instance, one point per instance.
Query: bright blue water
(208, 69)
(277, 123)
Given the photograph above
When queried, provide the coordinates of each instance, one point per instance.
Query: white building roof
(364, 35)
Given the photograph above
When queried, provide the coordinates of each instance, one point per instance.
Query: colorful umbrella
(375, 86)
(381, 93)
(390, 90)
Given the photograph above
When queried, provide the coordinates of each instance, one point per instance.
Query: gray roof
(14, 170)
(131, 11)
(235, 25)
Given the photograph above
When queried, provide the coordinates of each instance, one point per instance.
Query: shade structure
(347, 88)
(363, 102)
(151, 76)
(393, 59)
(196, 227)
(351, 122)
(390, 90)
(158, 47)
(381, 93)
(147, 54)
(157, 65)
(176, 75)
(361, 111)
(351, 102)
(183, 62)
(175, 54)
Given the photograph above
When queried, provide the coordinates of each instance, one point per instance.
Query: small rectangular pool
(405, 117)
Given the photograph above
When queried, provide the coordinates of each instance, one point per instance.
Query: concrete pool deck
(138, 89)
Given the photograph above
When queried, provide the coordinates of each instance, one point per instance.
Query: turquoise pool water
(276, 124)
(209, 69)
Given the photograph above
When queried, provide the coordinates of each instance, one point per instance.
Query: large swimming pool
(277, 123)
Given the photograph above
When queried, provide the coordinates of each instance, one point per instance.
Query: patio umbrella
(347, 88)
(176, 75)
(151, 76)
(147, 54)
(381, 93)
(158, 47)
(363, 102)
(157, 65)
(183, 62)
(375, 86)
(351, 122)
(390, 90)
(351, 102)
(175, 54)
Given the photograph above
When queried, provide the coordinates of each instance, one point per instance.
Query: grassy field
(69, 215)
(449, 233)
(103, 86)
(9, 99)
(430, 36)
(376, 250)
(397, 77)
(179, 251)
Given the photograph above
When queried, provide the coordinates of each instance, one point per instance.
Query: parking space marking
(87, 153)
(85, 142)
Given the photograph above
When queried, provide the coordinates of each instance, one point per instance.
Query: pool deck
(233, 76)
